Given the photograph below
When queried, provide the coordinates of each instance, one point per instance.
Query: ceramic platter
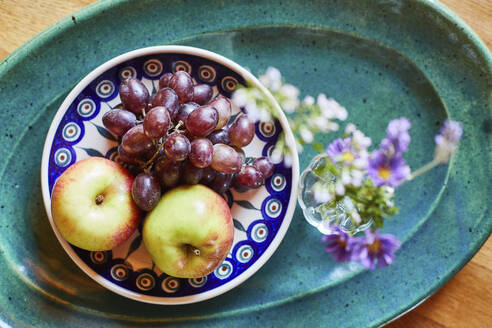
(380, 59)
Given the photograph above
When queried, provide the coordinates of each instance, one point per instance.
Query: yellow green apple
(190, 231)
(92, 206)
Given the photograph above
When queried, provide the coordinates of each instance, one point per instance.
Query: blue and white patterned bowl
(261, 217)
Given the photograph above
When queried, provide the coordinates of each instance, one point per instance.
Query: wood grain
(465, 301)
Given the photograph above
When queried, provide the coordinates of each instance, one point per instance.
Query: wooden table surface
(465, 301)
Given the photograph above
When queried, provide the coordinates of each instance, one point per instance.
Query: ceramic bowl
(261, 217)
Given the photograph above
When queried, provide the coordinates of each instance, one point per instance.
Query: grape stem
(143, 112)
(154, 156)
(145, 165)
(176, 128)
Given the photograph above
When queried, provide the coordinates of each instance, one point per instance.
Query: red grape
(219, 136)
(185, 110)
(168, 172)
(177, 146)
(221, 182)
(208, 175)
(134, 95)
(250, 177)
(146, 191)
(242, 131)
(226, 159)
(265, 166)
(134, 169)
(224, 110)
(135, 142)
(125, 157)
(238, 186)
(191, 174)
(118, 121)
(156, 122)
(202, 93)
(167, 98)
(202, 121)
(182, 83)
(201, 152)
(164, 80)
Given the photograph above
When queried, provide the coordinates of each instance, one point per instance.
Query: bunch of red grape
(180, 135)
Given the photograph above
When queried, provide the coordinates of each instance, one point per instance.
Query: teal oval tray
(380, 59)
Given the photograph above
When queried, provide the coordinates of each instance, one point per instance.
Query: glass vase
(325, 215)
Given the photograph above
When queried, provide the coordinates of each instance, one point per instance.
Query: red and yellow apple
(92, 206)
(190, 231)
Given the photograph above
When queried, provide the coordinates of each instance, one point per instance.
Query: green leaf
(134, 245)
(246, 204)
(238, 225)
(318, 147)
(92, 152)
(105, 133)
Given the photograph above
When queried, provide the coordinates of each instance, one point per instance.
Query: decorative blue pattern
(100, 95)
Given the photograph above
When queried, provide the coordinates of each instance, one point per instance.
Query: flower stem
(424, 169)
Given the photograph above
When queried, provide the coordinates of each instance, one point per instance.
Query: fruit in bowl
(92, 206)
(189, 232)
(173, 139)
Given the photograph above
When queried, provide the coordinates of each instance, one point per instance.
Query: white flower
(240, 97)
(360, 163)
(276, 155)
(288, 160)
(322, 194)
(345, 177)
(308, 101)
(321, 123)
(299, 147)
(289, 105)
(339, 188)
(289, 91)
(306, 135)
(265, 115)
(332, 126)
(253, 111)
(330, 108)
(360, 139)
(350, 128)
(272, 79)
(355, 216)
(357, 177)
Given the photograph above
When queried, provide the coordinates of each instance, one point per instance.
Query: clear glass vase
(325, 215)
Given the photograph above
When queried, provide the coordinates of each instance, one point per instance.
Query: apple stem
(99, 199)
(196, 251)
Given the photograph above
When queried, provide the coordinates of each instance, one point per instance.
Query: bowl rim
(249, 78)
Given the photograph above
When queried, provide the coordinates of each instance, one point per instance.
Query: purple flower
(341, 150)
(451, 131)
(385, 170)
(339, 245)
(338, 148)
(397, 136)
(447, 140)
(375, 248)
